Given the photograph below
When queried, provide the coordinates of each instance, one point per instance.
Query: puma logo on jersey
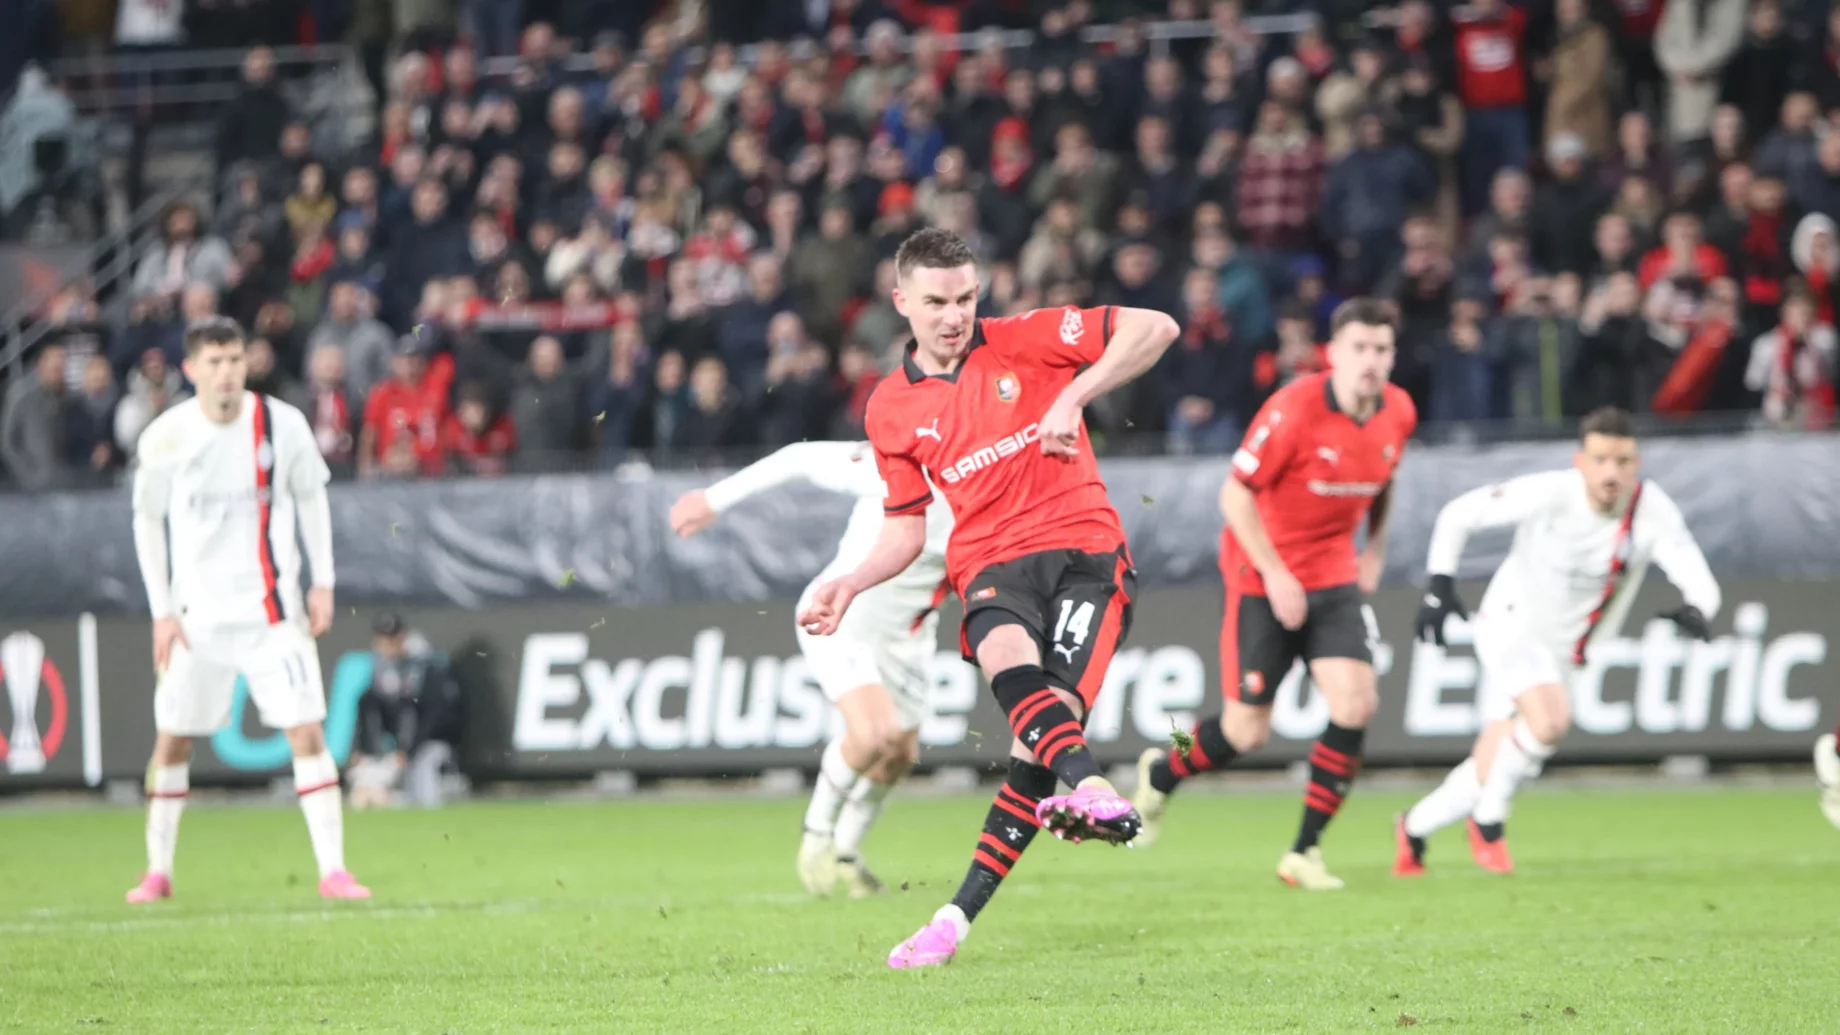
(1329, 453)
(1001, 449)
(931, 431)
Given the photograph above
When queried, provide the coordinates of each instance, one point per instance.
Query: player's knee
(172, 750)
(903, 752)
(1356, 707)
(307, 740)
(1007, 646)
(1550, 724)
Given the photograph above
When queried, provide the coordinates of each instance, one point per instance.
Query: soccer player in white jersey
(224, 480)
(874, 669)
(1583, 539)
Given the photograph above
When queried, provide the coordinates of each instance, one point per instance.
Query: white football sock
(859, 814)
(1518, 757)
(1452, 800)
(316, 781)
(835, 780)
(960, 922)
(167, 786)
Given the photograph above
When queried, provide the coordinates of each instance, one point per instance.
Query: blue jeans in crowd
(1216, 436)
(497, 24)
(1493, 139)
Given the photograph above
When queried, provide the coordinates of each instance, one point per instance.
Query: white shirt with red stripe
(849, 468)
(1572, 572)
(230, 497)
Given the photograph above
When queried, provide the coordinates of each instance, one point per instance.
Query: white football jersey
(849, 468)
(228, 494)
(1572, 573)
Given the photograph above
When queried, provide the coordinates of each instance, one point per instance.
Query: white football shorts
(1514, 662)
(878, 643)
(280, 662)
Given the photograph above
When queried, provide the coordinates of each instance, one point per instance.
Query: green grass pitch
(1707, 911)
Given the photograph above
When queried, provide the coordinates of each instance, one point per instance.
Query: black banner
(707, 688)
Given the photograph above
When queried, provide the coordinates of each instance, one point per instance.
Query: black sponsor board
(711, 688)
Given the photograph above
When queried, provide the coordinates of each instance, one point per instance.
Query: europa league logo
(24, 668)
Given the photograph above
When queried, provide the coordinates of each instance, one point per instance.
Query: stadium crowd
(678, 244)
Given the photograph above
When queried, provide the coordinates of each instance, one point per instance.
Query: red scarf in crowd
(1764, 262)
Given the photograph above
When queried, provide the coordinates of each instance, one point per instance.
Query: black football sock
(1208, 748)
(1008, 828)
(1044, 723)
(1333, 763)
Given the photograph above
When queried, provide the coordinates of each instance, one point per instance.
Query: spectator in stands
(545, 407)
(33, 424)
(1280, 187)
(1368, 195)
(616, 401)
(1788, 150)
(1534, 347)
(402, 416)
(267, 378)
(328, 403)
(742, 332)
(1578, 98)
(182, 257)
(476, 440)
(799, 395)
(410, 719)
(74, 320)
(430, 246)
(1204, 373)
(1694, 40)
(310, 206)
(153, 387)
(1462, 373)
(1565, 210)
(363, 340)
(1792, 366)
(713, 419)
(1683, 253)
(249, 128)
(828, 269)
(1491, 82)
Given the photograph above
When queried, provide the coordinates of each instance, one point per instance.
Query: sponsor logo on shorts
(985, 594)
(1253, 684)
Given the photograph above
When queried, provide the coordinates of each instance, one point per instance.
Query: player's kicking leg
(1827, 773)
(864, 807)
(1482, 787)
(1092, 609)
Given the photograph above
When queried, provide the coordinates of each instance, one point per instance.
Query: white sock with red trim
(316, 780)
(167, 786)
(1519, 756)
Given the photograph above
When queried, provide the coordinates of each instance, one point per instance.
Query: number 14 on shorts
(1071, 630)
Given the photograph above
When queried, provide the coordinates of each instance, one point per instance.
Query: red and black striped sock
(1044, 723)
(1333, 763)
(1208, 748)
(1008, 829)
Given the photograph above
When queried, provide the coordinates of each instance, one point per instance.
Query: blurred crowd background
(476, 236)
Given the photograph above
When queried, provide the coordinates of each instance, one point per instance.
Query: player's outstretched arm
(1139, 338)
(902, 539)
(838, 466)
(1492, 506)
(1241, 508)
(1678, 555)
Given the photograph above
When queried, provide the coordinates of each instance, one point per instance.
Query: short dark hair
(1610, 421)
(1366, 311)
(213, 330)
(934, 249)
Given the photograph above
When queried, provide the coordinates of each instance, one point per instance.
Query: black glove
(1441, 601)
(1691, 621)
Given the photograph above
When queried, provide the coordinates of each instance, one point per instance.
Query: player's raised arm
(1137, 339)
(829, 465)
(1492, 506)
(1678, 556)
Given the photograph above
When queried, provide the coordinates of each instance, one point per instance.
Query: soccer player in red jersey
(1318, 459)
(990, 411)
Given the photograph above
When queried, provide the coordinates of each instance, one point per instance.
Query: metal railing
(120, 83)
